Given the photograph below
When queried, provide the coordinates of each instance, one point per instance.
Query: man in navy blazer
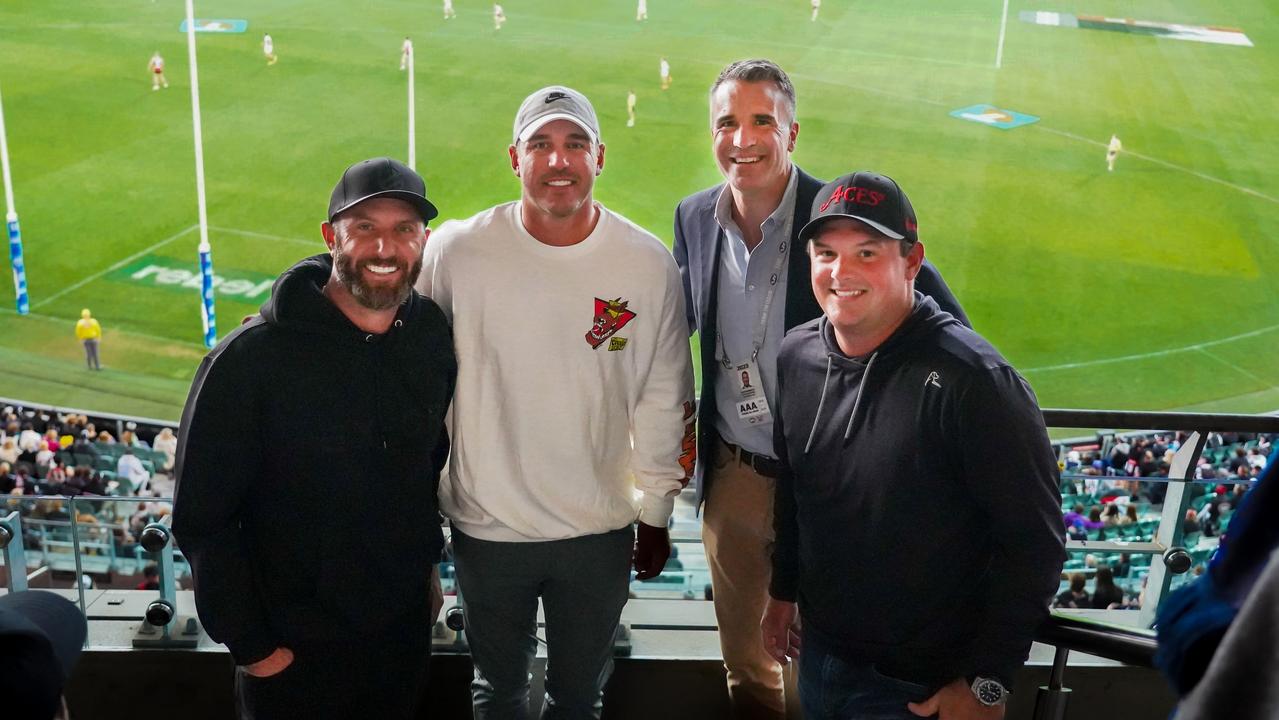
(746, 282)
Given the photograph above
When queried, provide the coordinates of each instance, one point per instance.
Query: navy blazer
(697, 239)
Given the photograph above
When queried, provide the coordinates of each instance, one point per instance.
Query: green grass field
(1149, 288)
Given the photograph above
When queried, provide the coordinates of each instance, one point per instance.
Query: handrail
(1126, 644)
(1210, 422)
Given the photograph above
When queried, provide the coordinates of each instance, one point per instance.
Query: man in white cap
(575, 390)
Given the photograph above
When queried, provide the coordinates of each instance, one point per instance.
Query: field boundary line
(1247, 373)
(266, 236)
(76, 286)
(1003, 28)
(1157, 353)
(1170, 165)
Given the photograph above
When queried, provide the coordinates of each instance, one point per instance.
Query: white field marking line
(130, 333)
(1232, 366)
(1003, 28)
(1157, 353)
(118, 265)
(1165, 163)
(266, 236)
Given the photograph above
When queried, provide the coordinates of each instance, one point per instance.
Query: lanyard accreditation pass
(752, 405)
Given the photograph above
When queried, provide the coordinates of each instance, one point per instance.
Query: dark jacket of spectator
(946, 449)
(293, 422)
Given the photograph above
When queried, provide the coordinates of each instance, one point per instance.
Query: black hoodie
(919, 526)
(307, 467)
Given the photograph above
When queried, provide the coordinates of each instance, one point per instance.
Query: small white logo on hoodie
(933, 377)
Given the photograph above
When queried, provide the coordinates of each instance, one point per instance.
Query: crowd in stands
(1114, 490)
(48, 453)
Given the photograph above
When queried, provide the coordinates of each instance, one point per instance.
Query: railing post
(1181, 475)
(1050, 703)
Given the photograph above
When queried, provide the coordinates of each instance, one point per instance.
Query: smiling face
(377, 251)
(753, 133)
(557, 166)
(862, 281)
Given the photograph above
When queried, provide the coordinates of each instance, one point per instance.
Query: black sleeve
(784, 584)
(1010, 470)
(930, 282)
(217, 459)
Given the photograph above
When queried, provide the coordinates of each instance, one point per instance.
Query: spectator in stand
(167, 443)
(1111, 516)
(1074, 518)
(9, 451)
(150, 578)
(82, 446)
(1106, 595)
(105, 437)
(6, 478)
(56, 477)
(1075, 597)
(1240, 460)
(1094, 519)
(1130, 515)
(1191, 523)
(28, 442)
(1148, 466)
(129, 466)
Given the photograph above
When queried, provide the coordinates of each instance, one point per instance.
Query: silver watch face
(989, 692)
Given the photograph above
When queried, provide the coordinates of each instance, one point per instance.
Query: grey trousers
(583, 583)
(91, 354)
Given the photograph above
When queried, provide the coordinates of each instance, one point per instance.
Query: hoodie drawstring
(858, 400)
(820, 403)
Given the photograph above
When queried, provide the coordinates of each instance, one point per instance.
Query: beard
(380, 297)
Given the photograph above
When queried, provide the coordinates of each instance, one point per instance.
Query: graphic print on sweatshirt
(610, 316)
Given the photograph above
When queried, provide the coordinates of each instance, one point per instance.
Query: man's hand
(955, 701)
(781, 630)
(652, 548)
(273, 664)
(436, 594)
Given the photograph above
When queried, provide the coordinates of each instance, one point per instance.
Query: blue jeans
(833, 689)
(583, 583)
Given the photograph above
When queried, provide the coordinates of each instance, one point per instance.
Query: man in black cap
(921, 568)
(41, 635)
(323, 592)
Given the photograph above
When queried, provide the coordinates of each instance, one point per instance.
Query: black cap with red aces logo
(874, 199)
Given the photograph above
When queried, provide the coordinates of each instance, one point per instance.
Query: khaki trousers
(737, 532)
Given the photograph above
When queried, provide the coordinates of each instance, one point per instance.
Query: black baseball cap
(874, 199)
(380, 177)
(41, 636)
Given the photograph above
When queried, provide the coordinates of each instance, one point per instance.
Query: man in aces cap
(890, 411)
(297, 425)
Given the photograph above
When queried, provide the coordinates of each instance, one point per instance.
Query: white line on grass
(118, 265)
(1246, 373)
(1197, 347)
(1003, 28)
(1165, 163)
(266, 236)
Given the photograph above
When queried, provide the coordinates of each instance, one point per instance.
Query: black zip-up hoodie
(307, 468)
(919, 526)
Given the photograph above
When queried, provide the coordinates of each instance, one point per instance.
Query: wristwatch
(989, 691)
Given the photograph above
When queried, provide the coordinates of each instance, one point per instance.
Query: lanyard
(757, 336)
